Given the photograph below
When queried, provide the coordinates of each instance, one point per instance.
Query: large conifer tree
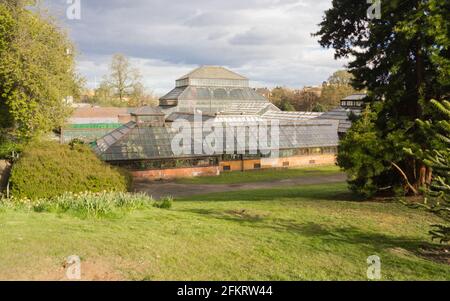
(437, 198)
(403, 60)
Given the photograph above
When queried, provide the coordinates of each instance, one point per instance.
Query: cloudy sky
(268, 41)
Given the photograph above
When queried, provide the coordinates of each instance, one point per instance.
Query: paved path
(161, 189)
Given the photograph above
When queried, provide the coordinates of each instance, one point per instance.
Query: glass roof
(133, 142)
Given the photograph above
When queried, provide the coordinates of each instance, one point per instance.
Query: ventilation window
(285, 164)
(257, 166)
(227, 168)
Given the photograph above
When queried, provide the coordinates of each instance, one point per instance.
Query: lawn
(315, 232)
(265, 175)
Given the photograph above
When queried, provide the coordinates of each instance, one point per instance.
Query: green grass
(265, 175)
(304, 233)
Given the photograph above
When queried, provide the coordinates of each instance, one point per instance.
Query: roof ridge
(226, 73)
(101, 143)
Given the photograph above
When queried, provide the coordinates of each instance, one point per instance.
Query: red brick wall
(175, 173)
(266, 163)
(297, 161)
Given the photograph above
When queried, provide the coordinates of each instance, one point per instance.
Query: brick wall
(297, 161)
(237, 165)
(168, 174)
(233, 165)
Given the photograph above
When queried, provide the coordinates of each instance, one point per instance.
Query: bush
(85, 204)
(165, 203)
(7, 147)
(49, 169)
(365, 156)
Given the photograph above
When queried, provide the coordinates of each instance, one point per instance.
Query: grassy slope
(262, 175)
(283, 234)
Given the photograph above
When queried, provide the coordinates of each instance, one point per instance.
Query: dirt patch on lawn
(91, 270)
(97, 270)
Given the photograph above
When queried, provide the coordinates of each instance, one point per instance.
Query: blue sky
(268, 41)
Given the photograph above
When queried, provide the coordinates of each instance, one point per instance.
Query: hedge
(50, 169)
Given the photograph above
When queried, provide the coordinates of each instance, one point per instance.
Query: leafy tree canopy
(336, 88)
(36, 71)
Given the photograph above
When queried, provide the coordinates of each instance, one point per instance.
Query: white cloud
(268, 41)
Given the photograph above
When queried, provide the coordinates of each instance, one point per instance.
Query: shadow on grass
(368, 240)
(334, 192)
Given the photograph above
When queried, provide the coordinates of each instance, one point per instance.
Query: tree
(363, 157)
(286, 106)
(139, 97)
(123, 79)
(336, 88)
(104, 93)
(289, 100)
(319, 108)
(437, 198)
(36, 71)
(403, 60)
(282, 98)
(306, 101)
(123, 86)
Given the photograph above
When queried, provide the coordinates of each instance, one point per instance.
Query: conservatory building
(211, 89)
(223, 100)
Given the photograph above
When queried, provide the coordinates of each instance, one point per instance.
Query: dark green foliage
(319, 108)
(8, 148)
(365, 160)
(286, 106)
(403, 60)
(165, 203)
(437, 198)
(48, 169)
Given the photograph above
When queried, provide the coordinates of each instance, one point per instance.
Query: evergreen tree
(403, 60)
(437, 198)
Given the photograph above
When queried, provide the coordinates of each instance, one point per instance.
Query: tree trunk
(422, 176)
(425, 177)
(429, 176)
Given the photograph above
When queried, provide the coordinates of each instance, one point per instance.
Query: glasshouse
(236, 117)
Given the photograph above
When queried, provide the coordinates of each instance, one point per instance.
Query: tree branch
(406, 178)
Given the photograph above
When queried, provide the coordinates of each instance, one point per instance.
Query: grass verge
(314, 232)
(265, 175)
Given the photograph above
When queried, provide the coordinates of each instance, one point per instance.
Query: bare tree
(123, 77)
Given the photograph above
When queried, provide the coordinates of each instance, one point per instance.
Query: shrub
(366, 158)
(165, 203)
(85, 204)
(49, 169)
(7, 147)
